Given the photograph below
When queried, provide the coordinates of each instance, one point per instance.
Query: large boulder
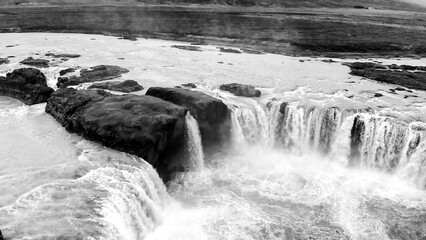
(141, 125)
(211, 113)
(241, 90)
(94, 74)
(41, 63)
(126, 86)
(26, 84)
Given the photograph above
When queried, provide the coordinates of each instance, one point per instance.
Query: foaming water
(193, 142)
(56, 185)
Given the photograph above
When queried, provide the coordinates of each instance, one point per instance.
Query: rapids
(332, 162)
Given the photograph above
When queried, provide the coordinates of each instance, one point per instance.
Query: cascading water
(193, 142)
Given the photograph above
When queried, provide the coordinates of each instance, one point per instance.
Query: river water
(302, 173)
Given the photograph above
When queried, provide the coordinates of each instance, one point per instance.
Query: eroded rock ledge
(26, 84)
(94, 74)
(145, 126)
(211, 113)
(127, 86)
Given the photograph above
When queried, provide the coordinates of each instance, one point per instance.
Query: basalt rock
(211, 113)
(26, 84)
(94, 74)
(241, 90)
(62, 55)
(145, 126)
(41, 63)
(126, 86)
(65, 71)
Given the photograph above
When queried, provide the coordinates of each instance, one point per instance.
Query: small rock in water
(408, 96)
(126, 86)
(229, 50)
(188, 48)
(62, 55)
(94, 74)
(4, 61)
(241, 90)
(251, 51)
(65, 71)
(189, 85)
(42, 63)
(378, 95)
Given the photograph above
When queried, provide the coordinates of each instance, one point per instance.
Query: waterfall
(194, 144)
(355, 137)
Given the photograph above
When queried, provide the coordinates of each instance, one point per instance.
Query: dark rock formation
(1, 235)
(229, 50)
(4, 61)
(188, 48)
(62, 55)
(141, 125)
(128, 37)
(378, 95)
(94, 74)
(211, 114)
(189, 85)
(283, 107)
(241, 90)
(404, 75)
(65, 71)
(26, 84)
(357, 133)
(41, 63)
(126, 86)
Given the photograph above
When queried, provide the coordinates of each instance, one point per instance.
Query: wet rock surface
(41, 63)
(145, 126)
(26, 84)
(62, 55)
(126, 86)
(94, 74)
(211, 113)
(404, 75)
(241, 90)
(66, 71)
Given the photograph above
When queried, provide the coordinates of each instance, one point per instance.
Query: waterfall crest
(194, 144)
(357, 137)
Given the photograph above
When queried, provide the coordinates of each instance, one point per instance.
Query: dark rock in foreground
(26, 84)
(126, 86)
(404, 75)
(211, 114)
(141, 125)
(42, 63)
(94, 74)
(4, 61)
(241, 90)
(188, 48)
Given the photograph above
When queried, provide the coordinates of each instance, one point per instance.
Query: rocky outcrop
(4, 61)
(404, 75)
(189, 85)
(26, 84)
(211, 113)
(141, 125)
(41, 63)
(126, 86)
(241, 90)
(94, 74)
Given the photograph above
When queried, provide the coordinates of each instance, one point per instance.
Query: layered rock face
(141, 125)
(94, 74)
(211, 114)
(26, 84)
(241, 90)
(127, 86)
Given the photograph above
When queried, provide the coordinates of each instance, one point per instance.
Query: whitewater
(316, 157)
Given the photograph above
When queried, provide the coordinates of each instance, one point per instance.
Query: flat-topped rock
(241, 90)
(211, 113)
(94, 74)
(145, 126)
(41, 63)
(26, 84)
(62, 55)
(126, 86)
